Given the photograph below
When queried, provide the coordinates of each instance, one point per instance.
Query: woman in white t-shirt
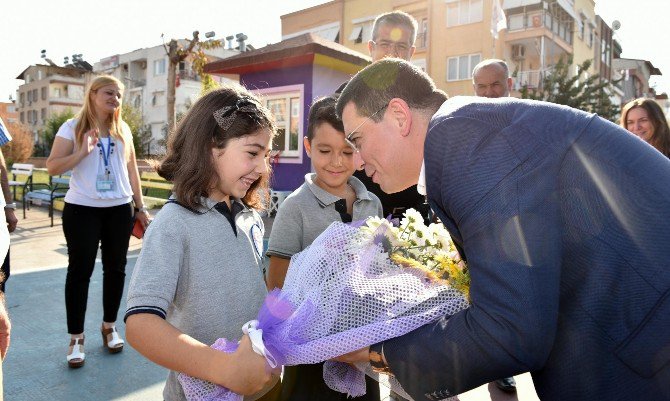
(97, 146)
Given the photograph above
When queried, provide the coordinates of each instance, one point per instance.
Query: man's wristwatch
(11, 206)
(377, 360)
(143, 209)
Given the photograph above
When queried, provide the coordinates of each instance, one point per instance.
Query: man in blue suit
(564, 219)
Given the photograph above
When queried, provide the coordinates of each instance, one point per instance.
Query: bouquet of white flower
(356, 285)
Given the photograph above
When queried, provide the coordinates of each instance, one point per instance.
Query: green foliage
(141, 132)
(590, 94)
(200, 59)
(48, 133)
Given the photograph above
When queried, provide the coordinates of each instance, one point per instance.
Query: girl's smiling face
(238, 165)
(332, 158)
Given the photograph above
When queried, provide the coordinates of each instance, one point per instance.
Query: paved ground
(35, 368)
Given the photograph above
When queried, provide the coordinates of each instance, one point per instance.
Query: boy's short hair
(396, 18)
(323, 111)
(375, 85)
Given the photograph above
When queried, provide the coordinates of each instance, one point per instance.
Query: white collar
(421, 185)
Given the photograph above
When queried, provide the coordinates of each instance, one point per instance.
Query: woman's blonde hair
(87, 119)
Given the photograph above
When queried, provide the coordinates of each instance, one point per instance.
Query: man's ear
(401, 115)
(370, 45)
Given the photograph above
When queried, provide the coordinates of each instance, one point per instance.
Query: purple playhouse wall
(286, 177)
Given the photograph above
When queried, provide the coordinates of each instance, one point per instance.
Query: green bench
(55, 189)
(151, 180)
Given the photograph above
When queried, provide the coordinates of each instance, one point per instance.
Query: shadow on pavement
(35, 367)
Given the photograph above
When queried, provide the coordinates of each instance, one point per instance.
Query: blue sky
(99, 30)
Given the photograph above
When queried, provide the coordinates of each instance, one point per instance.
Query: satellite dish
(616, 24)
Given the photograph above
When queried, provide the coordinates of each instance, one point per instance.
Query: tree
(141, 132)
(590, 94)
(176, 54)
(48, 133)
(20, 148)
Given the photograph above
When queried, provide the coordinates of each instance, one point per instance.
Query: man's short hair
(375, 85)
(396, 18)
(489, 62)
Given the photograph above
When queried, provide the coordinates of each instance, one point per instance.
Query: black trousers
(85, 229)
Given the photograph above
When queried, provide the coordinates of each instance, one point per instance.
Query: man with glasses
(562, 218)
(393, 35)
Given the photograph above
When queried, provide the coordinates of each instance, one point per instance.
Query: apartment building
(8, 112)
(49, 89)
(454, 35)
(144, 72)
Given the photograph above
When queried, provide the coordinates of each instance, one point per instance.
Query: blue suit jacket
(564, 219)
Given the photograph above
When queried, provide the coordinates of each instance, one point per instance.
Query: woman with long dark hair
(645, 118)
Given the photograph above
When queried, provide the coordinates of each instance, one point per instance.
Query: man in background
(490, 78)
(394, 35)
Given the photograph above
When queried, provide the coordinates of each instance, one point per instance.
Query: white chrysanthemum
(411, 220)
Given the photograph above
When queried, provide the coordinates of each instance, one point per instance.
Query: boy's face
(332, 158)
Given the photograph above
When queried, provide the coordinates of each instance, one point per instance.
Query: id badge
(104, 183)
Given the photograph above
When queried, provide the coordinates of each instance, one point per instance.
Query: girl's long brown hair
(189, 164)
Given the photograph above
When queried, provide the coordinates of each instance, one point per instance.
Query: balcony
(557, 26)
(532, 79)
(189, 75)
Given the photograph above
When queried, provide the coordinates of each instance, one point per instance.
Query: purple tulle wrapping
(340, 295)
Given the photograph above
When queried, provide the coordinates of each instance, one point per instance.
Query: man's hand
(5, 329)
(11, 219)
(361, 355)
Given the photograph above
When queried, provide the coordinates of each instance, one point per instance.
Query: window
(35, 95)
(44, 93)
(286, 109)
(422, 36)
(43, 114)
(460, 68)
(580, 28)
(159, 67)
(158, 98)
(22, 118)
(589, 40)
(56, 92)
(357, 34)
(460, 12)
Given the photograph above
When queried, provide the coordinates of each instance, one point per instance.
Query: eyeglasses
(353, 141)
(398, 47)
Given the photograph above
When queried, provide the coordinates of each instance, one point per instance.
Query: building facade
(144, 72)
(8, 112)
(47, 90)
(454, 35)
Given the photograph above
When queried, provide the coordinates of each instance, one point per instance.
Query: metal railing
(540, 19)
(532, 79)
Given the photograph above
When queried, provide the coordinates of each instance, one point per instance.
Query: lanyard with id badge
(105, 182)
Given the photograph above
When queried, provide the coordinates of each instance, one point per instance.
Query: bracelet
(143, 209)
(11, 206)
